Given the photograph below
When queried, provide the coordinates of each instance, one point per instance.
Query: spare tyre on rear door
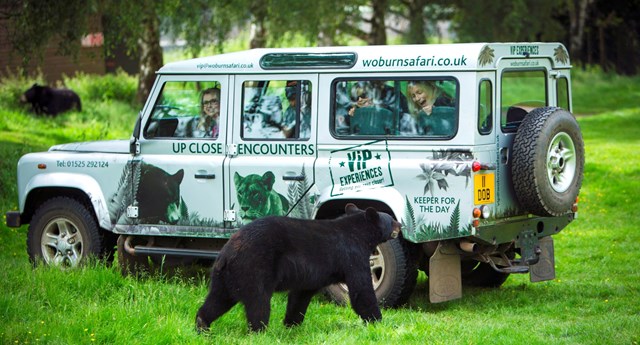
(548, 161)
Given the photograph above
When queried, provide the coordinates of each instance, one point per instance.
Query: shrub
(13, 85)
(105, 88)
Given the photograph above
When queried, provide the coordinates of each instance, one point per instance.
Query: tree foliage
(35, 23)
(596, 31)
(508, 20)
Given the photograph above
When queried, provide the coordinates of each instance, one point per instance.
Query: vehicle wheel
(480, 274)
(64, 233)
(548, 161)
(393, 273)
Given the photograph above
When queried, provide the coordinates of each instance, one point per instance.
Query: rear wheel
(393, 273)
(63, 233)
(480, 274)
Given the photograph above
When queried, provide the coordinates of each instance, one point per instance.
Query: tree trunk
(150, 53)
(577, 19)
(378, 34)
(258, 37)
(416, 34)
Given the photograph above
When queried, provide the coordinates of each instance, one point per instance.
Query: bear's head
(32, 95)
(389, 228)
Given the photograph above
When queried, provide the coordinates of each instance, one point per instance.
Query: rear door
(272, 146)
(523, 85)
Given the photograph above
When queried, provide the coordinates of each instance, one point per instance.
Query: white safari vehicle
(472, 147)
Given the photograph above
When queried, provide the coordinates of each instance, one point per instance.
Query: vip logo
(358, 159)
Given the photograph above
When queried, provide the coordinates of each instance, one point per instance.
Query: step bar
(160, 251)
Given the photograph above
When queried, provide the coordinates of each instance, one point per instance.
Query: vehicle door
(175, 183)
(523, 85)
(272, 146)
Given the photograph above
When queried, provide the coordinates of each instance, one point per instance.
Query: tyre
(548, 161)
(480, 274)
(393, 272)
(63, 233)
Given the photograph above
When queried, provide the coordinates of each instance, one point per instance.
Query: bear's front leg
(363, 297)
(257, 310)
(297, 304)
(215, 305)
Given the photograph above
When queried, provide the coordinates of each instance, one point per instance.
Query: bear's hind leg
(297, 305)
(215, 305)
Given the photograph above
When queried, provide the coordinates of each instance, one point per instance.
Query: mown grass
(593, 300)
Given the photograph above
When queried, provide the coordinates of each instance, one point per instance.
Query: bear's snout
(396, 230)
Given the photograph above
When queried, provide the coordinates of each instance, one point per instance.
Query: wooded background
(601, 32)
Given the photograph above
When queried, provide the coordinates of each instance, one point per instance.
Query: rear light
(486, 211)
(42, 166)
(477, 166)
(477, 213)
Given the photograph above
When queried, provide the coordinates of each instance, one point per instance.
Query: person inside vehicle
(434, 114)
(206, 126)
(360, 93)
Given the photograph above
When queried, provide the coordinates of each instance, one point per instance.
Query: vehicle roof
(388, 58)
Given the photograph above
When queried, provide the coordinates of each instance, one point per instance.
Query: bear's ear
(372, 215)
(237, 179)
(351, 208)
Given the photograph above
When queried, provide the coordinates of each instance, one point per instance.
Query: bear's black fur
(300, 256)
(50, 101)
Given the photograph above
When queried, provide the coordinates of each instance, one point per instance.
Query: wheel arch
(83, 188)
(386, 200)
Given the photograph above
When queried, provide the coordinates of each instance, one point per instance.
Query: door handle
(205, 176)
(293, 178)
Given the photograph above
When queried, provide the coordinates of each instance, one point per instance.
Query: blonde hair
(428, 86)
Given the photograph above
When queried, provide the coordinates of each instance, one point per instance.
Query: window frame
(299, 115)
(398, 137)
(504, 108)
(489, 128)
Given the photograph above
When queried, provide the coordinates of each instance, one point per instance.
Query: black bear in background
(300, 256)
(50, 101)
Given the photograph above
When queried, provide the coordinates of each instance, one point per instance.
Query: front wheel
(393, 273)
(63, 233)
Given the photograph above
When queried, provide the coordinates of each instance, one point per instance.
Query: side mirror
(134, 144)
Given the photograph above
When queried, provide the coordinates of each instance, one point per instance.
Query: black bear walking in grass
(300, 256)
(50, 101)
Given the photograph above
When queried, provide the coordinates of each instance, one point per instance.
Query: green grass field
(595, 298)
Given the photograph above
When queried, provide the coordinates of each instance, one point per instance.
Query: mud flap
(445, 279)
(545, 268)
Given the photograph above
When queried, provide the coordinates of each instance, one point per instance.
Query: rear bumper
(13, 219)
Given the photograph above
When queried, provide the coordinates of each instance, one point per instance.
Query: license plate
(484, 187)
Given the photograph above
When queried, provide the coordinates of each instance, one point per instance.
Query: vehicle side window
(485, 106)
(426, 108)
(186, 109)
(276, 109)
(521, 92)
(562, 93)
